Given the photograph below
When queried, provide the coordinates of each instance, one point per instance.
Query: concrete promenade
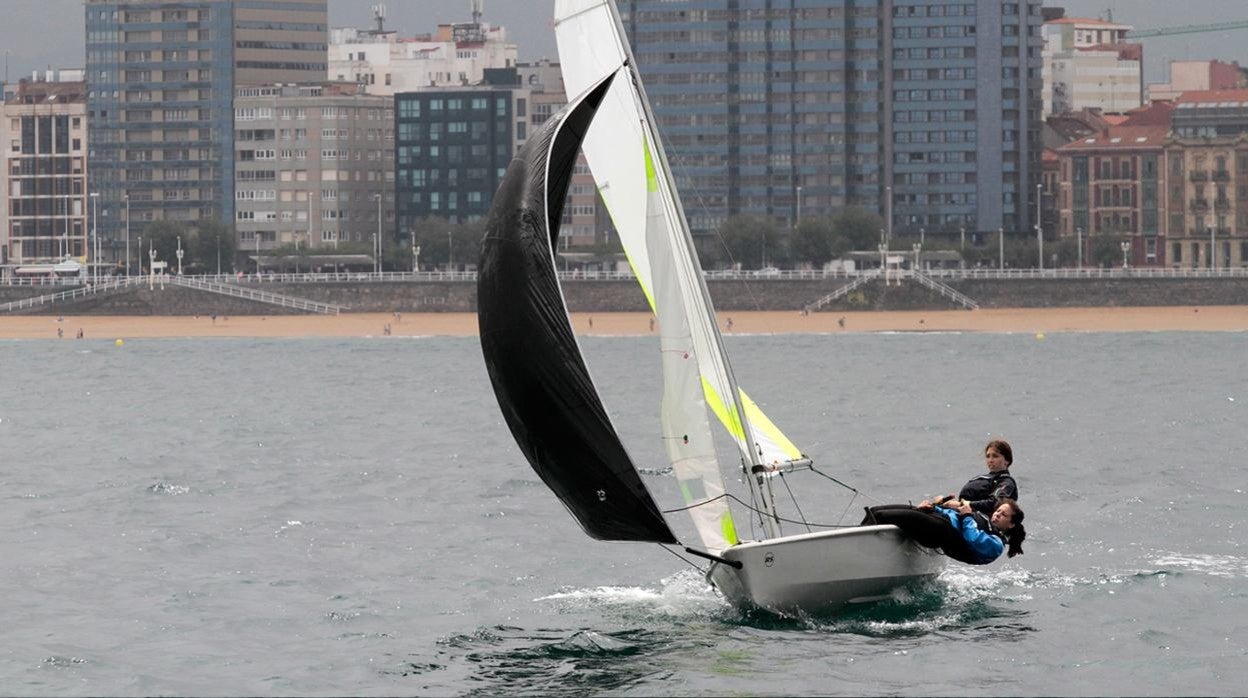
(434, 292)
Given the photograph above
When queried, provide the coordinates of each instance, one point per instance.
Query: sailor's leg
(926, 528)
(869, 518)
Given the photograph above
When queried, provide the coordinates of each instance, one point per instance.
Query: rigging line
(847, 506)
(855, 490)
(738, 500)
(687, 561)
(798, 506)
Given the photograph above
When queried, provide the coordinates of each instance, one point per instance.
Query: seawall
(626, 295)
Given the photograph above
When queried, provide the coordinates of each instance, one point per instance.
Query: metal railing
(947, 291)
(111, 284)
(252, 294)
(843, 291)
(1115, 272)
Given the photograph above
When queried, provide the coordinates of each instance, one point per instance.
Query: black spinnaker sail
(535, 365)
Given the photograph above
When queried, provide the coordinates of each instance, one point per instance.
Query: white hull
(820, 572)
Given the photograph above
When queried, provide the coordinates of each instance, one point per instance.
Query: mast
(667, 180)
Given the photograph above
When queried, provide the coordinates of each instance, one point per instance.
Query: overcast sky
(36, 34)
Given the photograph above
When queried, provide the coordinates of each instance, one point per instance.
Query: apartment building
(925, 111)
(43, 184)
(1089, 64)
(453, 145)
(310, 164)
(386, 64)
(161, 76)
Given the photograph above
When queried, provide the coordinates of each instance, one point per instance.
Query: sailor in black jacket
(983, 491)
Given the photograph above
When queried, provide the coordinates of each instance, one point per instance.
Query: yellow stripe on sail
(727, 414)
(759, 421)
(728, 528)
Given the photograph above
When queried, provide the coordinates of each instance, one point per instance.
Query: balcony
(1200, 205)
(1222, 176)
(1200, 176)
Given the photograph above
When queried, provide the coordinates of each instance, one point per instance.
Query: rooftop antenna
(476, 10)
(379, 16)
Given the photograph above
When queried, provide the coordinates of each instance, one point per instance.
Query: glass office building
(160, 77)
(453, 145)
(805, 107)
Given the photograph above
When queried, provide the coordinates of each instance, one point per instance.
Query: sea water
(351, 516)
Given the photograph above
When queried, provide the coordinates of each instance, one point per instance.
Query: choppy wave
(684, 594)
(557, 662)
(1216, 565)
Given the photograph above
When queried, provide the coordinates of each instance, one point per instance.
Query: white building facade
(43, 189)
(1088, 63)
(456, 55)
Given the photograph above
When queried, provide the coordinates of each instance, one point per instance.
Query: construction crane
(1187, 29)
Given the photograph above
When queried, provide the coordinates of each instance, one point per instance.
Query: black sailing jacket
(982, 492)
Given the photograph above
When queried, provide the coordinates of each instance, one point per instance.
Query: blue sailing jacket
(982, 544)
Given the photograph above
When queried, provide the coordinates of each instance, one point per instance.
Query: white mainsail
(627, 162)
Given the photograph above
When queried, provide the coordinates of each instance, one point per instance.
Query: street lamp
(1213, 250)
(888, 215)
(126, 198)
(179, 255)
(1126, 247)
(1039, 229)
(1079, 244)
(377, 264)
(257, 235)
(799, 204)
(95, 236)
(1001, 248)
(218, 254)
(140, 255)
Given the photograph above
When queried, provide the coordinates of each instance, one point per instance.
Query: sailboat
(548, 397)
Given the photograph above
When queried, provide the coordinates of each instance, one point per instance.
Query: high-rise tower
(925, 111)
(161, 76)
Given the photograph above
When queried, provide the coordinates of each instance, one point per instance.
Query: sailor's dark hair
(1017, 534)
(1003, 447)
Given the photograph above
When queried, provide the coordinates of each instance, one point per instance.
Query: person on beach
(956, 529)
(983, 491)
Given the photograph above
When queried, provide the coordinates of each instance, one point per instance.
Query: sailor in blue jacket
(956, 529)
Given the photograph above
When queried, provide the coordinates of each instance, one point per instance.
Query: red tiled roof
(1156, 113)
(1212, 96)
(1120, 137)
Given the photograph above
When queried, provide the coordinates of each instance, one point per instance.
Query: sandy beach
(1029, 320)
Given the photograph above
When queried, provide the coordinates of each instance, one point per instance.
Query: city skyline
(31, 39)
